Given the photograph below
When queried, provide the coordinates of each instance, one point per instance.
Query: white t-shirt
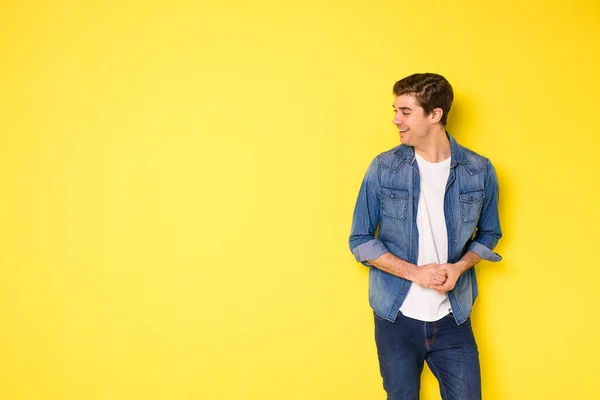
(423, 303)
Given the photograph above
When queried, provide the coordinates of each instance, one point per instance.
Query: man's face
(410, 118)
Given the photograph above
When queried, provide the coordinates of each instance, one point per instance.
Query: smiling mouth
(402, 130)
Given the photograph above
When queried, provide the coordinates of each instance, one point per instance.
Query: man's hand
(430, 276)
(452, 271)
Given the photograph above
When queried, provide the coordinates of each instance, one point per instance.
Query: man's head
(431, 91)
(421, 107)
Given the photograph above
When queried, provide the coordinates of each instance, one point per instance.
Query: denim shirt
(385, 220)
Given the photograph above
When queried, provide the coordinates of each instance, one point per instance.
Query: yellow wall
(177, 182)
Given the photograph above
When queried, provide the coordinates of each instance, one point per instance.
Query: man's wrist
(411, 271)
(461, 266)
(467, 261)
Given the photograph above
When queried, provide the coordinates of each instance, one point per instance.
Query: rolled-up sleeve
(363, 243)
(488, 228)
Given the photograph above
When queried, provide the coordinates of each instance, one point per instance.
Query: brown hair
(430, 90)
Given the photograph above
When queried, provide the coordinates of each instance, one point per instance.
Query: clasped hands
(439, 277)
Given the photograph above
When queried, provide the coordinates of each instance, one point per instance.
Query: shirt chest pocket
(470, 205)
(394, 202)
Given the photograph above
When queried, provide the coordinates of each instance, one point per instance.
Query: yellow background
(177, 183)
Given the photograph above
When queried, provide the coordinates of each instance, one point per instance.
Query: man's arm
(430, 275)
(371, 251)
(488, 228)
(363, 243)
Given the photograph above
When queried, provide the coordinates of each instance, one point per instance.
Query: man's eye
(405, 113)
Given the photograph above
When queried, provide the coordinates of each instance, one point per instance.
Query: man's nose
(397, 119)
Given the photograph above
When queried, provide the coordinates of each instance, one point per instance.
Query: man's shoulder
(391, 153)
(473, 159)
(392, 158)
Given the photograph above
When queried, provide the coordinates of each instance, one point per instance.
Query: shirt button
(393, 196)
(471, 198)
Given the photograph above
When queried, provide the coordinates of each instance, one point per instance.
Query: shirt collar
(457, 155)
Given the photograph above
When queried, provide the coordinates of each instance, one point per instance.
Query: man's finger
(439, 289)
(443, 288)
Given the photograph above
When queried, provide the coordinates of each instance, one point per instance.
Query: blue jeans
(449, 349)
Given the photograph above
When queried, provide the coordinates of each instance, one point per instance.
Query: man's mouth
(402, 130)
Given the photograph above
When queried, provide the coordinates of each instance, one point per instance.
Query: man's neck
(435, 148)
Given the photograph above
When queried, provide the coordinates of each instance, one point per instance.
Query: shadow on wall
(463, 119)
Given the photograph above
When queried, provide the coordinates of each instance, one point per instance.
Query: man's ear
(436, 115)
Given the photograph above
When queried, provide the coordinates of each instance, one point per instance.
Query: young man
(435, 204)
